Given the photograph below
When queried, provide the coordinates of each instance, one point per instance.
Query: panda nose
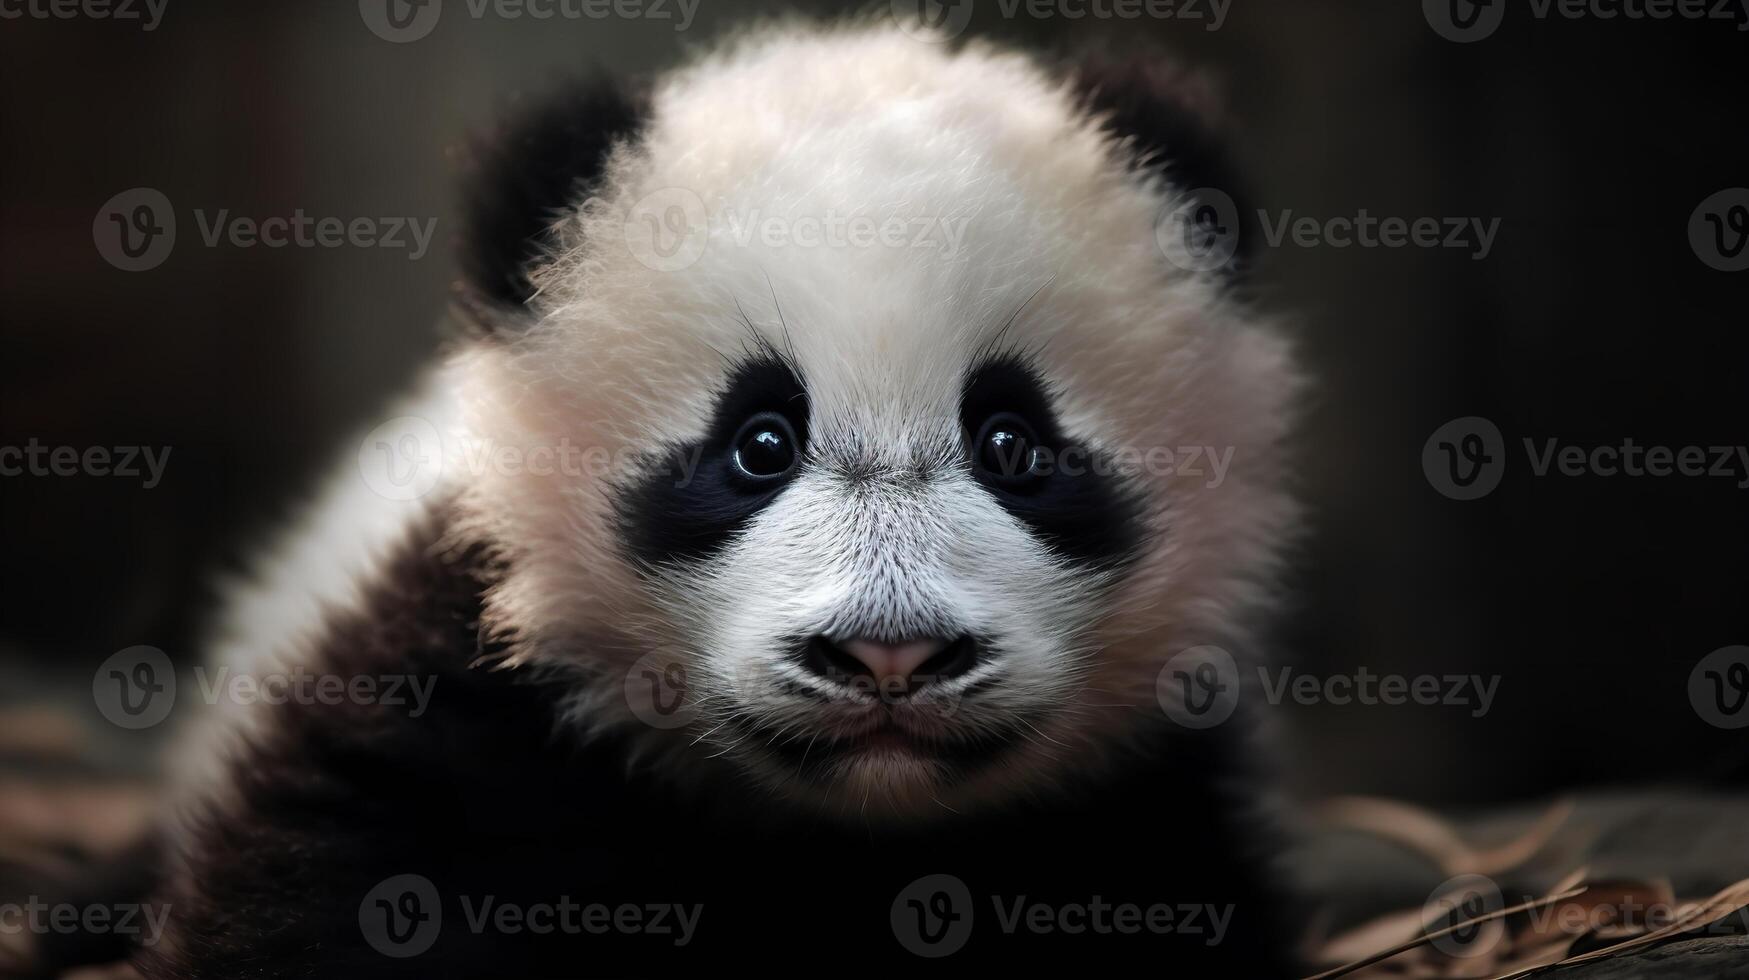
(896, 661)
(909, 665)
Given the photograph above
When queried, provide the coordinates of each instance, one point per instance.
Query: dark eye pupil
(1006, 452)
(765, 452)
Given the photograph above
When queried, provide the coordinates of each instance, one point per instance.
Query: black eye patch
(696, 495)
(1068, 494)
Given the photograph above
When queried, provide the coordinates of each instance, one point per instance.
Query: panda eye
(1007, 449)
(765, 447)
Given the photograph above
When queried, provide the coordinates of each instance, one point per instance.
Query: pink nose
(900, 661)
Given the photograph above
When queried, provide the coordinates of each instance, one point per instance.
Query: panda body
(811, 637)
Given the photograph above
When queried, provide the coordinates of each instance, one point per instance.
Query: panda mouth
(817, 757)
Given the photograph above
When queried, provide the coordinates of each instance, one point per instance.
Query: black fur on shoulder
(1171, 119)
(528, 172)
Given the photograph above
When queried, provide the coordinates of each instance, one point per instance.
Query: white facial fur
(884, 528)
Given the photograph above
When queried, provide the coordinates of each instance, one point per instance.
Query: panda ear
(1169, 119)
(523, 176)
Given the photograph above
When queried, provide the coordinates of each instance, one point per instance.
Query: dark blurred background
(1592, 320)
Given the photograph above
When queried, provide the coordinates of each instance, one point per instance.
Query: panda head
(903, 457)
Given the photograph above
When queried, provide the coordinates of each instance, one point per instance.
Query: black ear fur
(1172, 121)
(523, 175)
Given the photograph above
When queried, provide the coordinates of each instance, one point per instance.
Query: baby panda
(799, 545)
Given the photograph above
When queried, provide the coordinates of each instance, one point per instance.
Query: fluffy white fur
(623, 357)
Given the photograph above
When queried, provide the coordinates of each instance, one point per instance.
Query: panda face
(894, 577)
(915, 526)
